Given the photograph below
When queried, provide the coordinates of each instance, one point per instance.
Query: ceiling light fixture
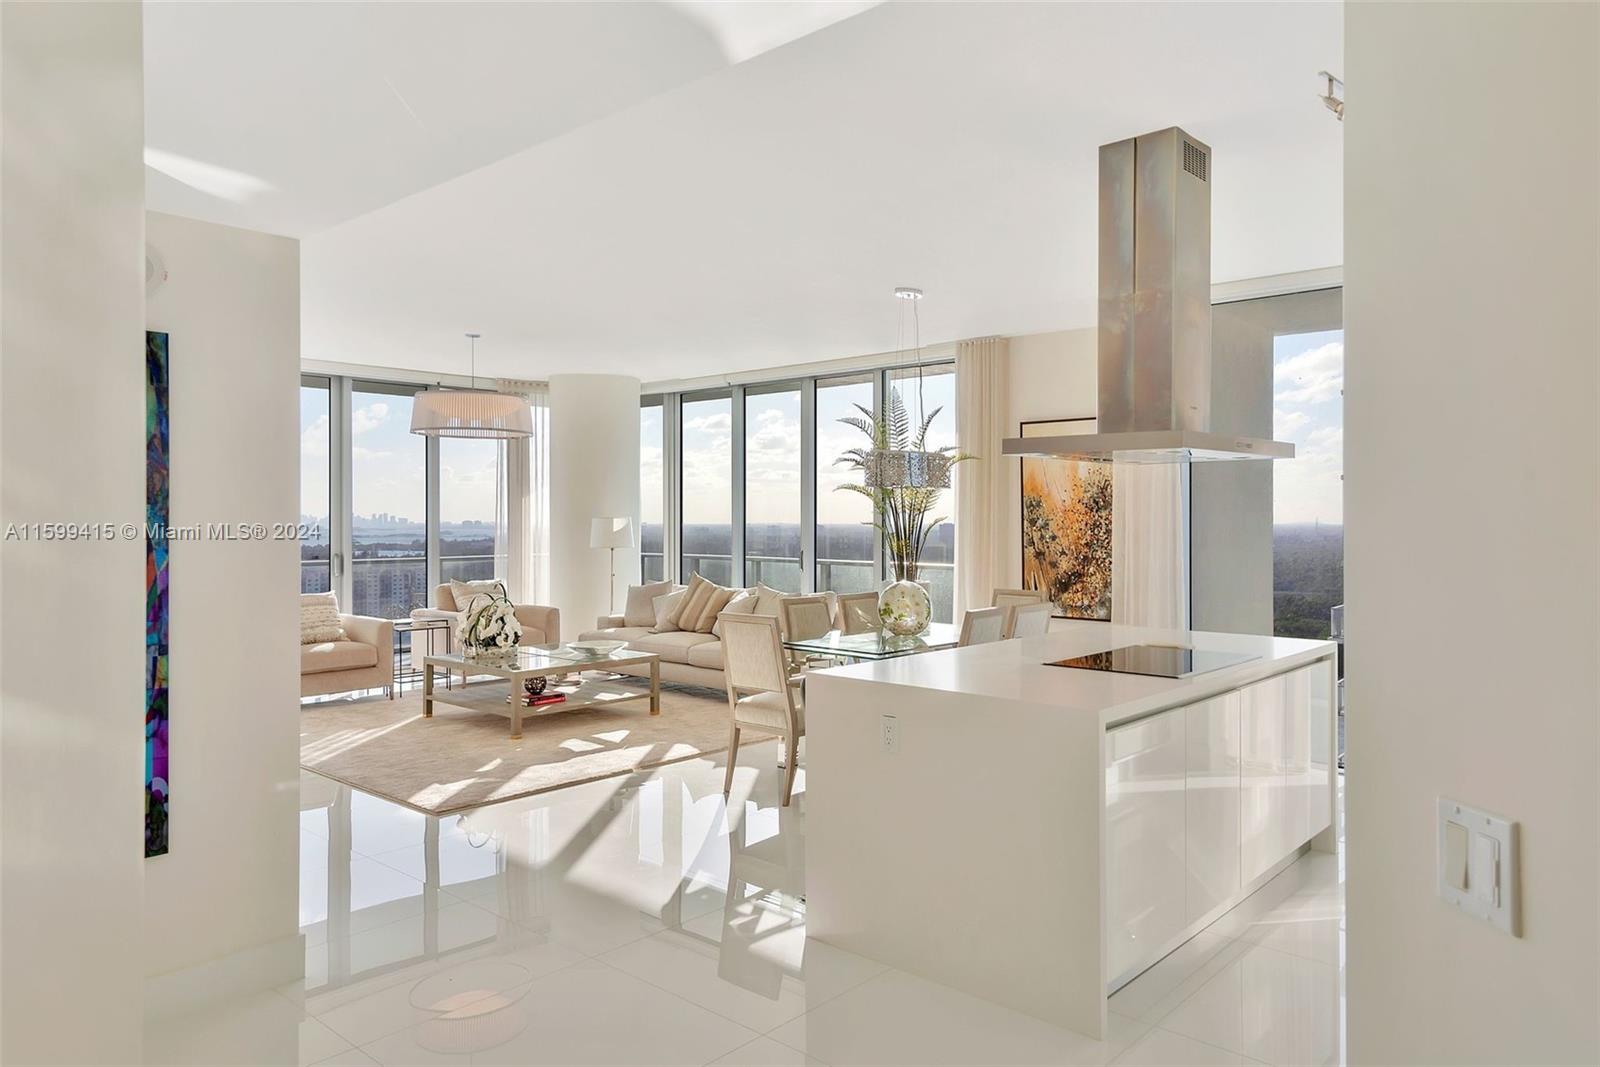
(1333, 98)
(470, 412)
(908, 464)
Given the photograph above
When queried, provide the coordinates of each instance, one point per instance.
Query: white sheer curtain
(1150, 545)
(982, 395)
(523, 534)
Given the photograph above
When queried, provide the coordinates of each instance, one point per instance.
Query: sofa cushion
(327, 656)
(319, 618)
(673, 647)
(768, 710)
(639, 608)
(707, 655)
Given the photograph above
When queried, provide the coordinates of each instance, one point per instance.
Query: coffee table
(537, 661)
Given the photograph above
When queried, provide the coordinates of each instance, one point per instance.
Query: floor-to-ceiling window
(772, 551)
(846, 539)
(652, 492)
(742, 484)
(316, 435)
(930, 396)
(1308, 491)
(707, 508)
(471, 509)
(389, 503)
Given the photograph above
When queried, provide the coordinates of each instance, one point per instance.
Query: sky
(388, 463)
(1308, 409)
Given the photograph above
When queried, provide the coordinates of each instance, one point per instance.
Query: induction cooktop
(1159, 661)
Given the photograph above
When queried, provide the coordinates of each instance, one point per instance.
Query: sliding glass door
(847, 543)
(772, 551)
(707, 456)
(652, 492)
(388, 503)
(471, 509)
(316, 457)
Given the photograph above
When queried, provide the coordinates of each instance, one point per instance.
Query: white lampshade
(470, 413)
(611, 531)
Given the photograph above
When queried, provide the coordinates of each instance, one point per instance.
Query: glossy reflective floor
(643, 920)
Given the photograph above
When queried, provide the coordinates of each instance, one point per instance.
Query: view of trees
(1307, 578)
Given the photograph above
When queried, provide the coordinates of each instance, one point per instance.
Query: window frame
(672, 401)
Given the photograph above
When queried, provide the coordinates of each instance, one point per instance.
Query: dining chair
(1010, 598)
(979, 626)
(1028, 620)
(858, 613)
(761, 693)
(802, 618)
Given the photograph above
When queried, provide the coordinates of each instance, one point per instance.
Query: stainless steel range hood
(1154, 402)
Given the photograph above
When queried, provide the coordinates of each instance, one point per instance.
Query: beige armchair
(363, 660)
(540, 625)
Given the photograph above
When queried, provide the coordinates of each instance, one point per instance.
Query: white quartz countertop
(1015, 670)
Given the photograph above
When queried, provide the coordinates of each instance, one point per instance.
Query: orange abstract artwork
(1066, 532)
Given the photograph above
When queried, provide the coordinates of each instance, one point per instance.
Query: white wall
(71, 450)
(1053, 376)
(1472, 240)
(594, 471)
(232, 307)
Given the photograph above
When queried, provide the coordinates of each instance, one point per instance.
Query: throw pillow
(319, 618)
(694, 602)
(744, 602)
(639, 609)
(719, 598)
(462, 592)
(768, 598)
(666, 609)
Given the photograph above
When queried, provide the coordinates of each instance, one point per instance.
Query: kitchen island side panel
(972, 856)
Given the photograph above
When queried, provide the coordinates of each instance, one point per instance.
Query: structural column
(594, 471)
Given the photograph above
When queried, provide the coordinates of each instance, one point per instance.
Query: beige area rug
(463, 759)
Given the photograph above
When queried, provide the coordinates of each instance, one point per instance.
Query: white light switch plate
(1478, 864)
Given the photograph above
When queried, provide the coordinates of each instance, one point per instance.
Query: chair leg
(793, 761)
(733, 754)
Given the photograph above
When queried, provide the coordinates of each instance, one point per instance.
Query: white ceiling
(761, 215)
(290, 117)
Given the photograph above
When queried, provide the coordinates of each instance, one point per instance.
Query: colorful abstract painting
(155, 565)
(1066, 526)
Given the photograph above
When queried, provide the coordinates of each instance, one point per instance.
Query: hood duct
(1154, 384)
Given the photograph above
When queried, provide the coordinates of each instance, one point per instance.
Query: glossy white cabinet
(1319, 794)
(1262, 785)
(1286, 765)
(1211, 796)
(1145, 845)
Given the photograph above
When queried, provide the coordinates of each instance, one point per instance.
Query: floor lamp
(613, 532)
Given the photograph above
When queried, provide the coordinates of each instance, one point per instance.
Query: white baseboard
(251, 970)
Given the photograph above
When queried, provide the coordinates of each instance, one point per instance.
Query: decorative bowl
(599, 648)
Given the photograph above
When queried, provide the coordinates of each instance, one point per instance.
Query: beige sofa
(686, 658)
(540, 625)
(363, 660)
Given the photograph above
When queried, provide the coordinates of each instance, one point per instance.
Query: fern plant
(901, 514)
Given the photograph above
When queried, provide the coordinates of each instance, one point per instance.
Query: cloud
(363, 420)
(1310, 377)
(1285, 424)
(720, 423)
(314, 439)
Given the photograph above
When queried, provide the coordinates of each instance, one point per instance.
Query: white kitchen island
(1038, 835)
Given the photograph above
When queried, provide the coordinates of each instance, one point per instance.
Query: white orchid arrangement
(489, 623)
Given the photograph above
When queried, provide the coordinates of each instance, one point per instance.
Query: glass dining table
(875, 644)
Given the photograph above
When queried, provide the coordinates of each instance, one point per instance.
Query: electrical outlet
(889, 727)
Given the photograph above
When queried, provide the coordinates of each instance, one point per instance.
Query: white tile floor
(642, 920)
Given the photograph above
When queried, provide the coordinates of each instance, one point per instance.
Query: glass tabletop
(534, 657)
(877, 644)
